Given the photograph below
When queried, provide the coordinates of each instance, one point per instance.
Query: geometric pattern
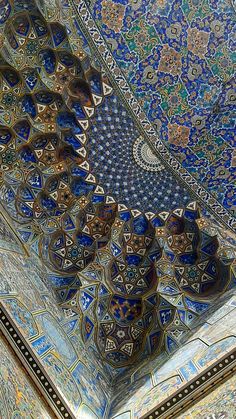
(122, 161)
(136, 279)
(179, 60)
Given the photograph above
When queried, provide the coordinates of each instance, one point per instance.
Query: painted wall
(18, 396)
(152, 383)
(219, 404)
(53, 335)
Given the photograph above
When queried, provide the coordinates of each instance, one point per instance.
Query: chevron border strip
(195, 389)
(99, 46)
(33, 366)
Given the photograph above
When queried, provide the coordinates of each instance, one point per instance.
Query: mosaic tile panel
(169, 52)
(8, 238)
(127, 263)
(219, 404)
(130, 279)
(152, 383)
(19, 398)
(30, 304)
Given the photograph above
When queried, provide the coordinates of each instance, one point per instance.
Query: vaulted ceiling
(179, 58)
(109, 210)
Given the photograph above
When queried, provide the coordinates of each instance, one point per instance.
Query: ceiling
(120, 231)
(178, 57)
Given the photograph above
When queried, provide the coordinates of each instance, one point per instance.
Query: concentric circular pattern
(110, 154)
(144, 156)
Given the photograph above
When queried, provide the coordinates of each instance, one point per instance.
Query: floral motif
(113, 14)
(198, 42)
(142, 38)
(170, 61)
(178, 134)
(217, 28)
(149, 75)
(194, 71)
(174, 99)
(9, 100)
(174, 30)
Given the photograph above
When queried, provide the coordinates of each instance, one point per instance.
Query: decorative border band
(195, 389)
(33, 367)
(99, 46)
(169, 408)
